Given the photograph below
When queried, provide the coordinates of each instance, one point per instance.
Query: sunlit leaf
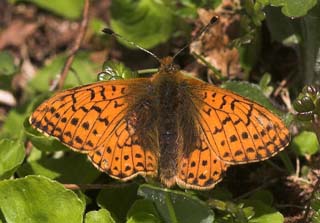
(70, 9)
(101, 216)
(36, 199)
(145, 22)
(12, 154)
(306, 143)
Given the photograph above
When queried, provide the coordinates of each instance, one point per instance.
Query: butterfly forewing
(237, 129)
(94, 119)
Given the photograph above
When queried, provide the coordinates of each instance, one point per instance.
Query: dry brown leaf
(16, 33)
(214, 45)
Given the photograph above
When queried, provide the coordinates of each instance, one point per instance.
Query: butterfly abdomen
(168, 107)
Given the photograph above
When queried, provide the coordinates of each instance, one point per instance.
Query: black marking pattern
(236, 127)
(231, 129)
(80, 118)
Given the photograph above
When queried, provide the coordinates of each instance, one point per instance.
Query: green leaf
(315, 202)
(71, 168)
(188, 8)
(145, 22)
(263, 213)
(281, 27)
(34, 155)
(248, 52)
(84, 69)
(118, 200)
(176, 206)
(36, 199)
(294, 8)
(220, 192)
(101, 216)
(70, 9)
(143, 211)
(13, 124)
(315, 217)
(263, 195)
(46, 143)
(306, 143)
(231, 210)
(96, 25)
(12, 154)
(114, 70)
(7, 66)
(315, 205)
(264, 84)
(304, 32)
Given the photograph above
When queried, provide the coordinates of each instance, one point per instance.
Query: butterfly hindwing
(201, 169)
(122, 156)
(93, 119)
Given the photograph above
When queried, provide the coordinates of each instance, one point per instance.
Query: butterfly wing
(95, 119)
(236, 129)
(201, 169)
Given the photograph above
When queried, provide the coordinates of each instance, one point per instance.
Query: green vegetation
(277, 48)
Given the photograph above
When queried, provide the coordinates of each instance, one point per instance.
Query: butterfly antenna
(204, 29)
(112, 33)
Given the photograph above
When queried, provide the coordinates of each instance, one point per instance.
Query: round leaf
(145, 22)
(36, 199)
(101, 216)
(306, 143)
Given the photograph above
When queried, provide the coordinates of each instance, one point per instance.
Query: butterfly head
(168, 66)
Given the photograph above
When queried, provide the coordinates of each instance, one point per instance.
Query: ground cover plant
(265, 50)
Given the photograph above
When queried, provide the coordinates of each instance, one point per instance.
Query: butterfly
(180, 129)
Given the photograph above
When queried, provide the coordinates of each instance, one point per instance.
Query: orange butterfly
(184, 130)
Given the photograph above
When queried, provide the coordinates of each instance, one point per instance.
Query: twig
(297, 166)
(94, 186)
(76, 45)
(284, 94)
(282, 84)
(215, 70)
